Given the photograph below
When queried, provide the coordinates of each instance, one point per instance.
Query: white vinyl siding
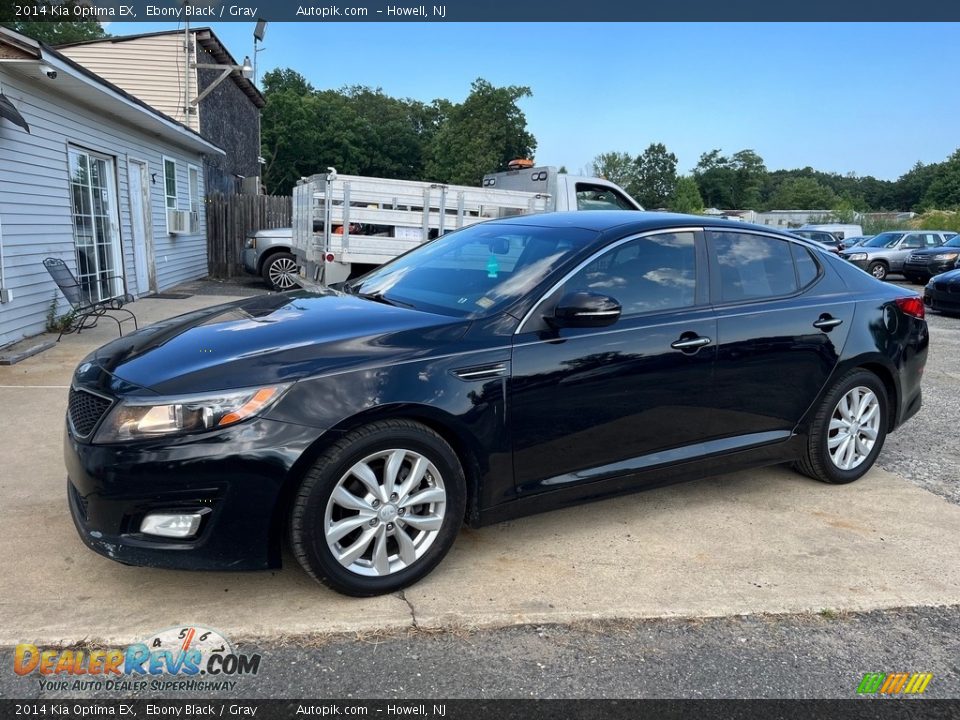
(35, 203)
(150, 68)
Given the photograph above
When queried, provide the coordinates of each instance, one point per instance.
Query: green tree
(716, 179)
(911, 187)
(750, 174)
(801, 193)
(943, 192)
(686, 196)
(480, 135)
(47, 30)
(357, 130)
(656, 176)
(617, 167)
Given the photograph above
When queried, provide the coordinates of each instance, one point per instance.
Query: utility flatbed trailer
(344, 221)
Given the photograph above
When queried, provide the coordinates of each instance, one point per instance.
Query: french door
(93, 194)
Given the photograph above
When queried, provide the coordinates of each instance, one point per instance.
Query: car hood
(950, 276)
(271, 339)
(942, 250)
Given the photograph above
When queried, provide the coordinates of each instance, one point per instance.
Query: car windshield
(887, 239)
(473, 271)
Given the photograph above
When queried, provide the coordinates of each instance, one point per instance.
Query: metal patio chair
(86, 312)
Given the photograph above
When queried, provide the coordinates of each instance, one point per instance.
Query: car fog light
(171, 525)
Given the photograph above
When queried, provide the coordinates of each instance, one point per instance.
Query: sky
(870, 98)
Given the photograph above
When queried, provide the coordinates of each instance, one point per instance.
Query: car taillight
(912, 306)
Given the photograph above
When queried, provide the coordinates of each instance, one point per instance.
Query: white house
(94, 176)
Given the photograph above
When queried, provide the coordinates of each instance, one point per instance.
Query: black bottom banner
(867, 709)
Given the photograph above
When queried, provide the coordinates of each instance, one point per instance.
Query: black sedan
(943, 292)
(511, 367)
(923, 264)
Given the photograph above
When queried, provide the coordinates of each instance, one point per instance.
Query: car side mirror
(584, 310)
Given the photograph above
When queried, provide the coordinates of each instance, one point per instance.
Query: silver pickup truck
(269, 254)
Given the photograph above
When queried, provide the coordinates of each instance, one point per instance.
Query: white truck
(347, 224)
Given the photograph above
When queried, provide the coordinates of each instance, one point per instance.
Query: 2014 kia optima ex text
(510, 367)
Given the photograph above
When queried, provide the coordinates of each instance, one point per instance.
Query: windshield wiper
(381, 298)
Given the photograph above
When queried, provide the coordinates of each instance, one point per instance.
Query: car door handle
(827, 323)
(690, 343)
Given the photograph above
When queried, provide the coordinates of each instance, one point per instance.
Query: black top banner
(206, 11)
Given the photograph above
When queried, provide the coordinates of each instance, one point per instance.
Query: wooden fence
(230, 218)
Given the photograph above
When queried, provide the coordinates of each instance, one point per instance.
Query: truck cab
(565, 191)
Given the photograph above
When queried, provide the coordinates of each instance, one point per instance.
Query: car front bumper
(941, 298)
(928, 269)
(250, 258)
(235, 478)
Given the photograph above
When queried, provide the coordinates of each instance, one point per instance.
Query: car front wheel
(379, 509)
(281, 271)
(878, 270)
(848, 430)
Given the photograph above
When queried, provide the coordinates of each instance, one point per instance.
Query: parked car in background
(849, 242)
(841, 231)
(510, 367)
(887, 252)
(822, 239)
(943, 292)
(921, 265)
(269, 254)
(821, 236)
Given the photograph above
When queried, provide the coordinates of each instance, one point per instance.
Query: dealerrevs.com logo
(182, 658)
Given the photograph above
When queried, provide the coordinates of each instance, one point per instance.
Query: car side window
(752, 267)
(600, 197)
(647, 274)
(931, 240)
(807, 268)
(914, 240)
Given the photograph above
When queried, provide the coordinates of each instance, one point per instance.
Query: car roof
(630, 221)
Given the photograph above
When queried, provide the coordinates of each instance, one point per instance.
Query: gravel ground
(926, 450)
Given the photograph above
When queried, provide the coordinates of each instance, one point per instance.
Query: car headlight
(145, 418)
(857, 256)
(946, 256)
(251, 243)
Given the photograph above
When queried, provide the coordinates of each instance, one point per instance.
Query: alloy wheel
(854, 428)
(283, 273)
(385, 512)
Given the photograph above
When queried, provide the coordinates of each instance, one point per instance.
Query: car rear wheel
(848, 430)
(281, 272)
(878, 269)
(379, 509)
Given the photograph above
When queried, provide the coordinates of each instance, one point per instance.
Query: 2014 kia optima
(510, 367)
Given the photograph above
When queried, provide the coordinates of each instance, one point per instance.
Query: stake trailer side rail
(344, 220)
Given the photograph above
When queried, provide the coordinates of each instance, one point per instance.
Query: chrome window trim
(598, 253)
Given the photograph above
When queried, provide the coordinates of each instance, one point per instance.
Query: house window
(193, 184)
(170, 190)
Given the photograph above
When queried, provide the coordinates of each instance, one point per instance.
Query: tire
(335, 499)
(826, 464)
(878, 269)
(280, 271)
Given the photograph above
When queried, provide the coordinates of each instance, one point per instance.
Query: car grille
(947, 287)
(916, 258)
(85, 410)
